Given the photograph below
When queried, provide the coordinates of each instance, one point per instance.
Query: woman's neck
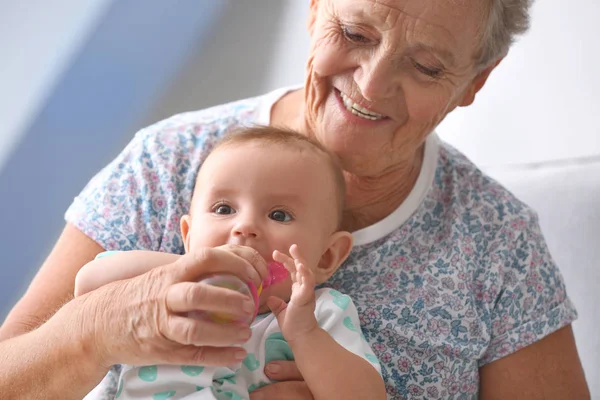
(369, 199)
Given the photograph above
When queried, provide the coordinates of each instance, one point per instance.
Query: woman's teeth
(358, 110)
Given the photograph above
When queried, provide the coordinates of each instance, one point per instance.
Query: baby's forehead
(299, 157)
(297, 168)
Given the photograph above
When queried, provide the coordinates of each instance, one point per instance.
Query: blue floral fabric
(466, 280)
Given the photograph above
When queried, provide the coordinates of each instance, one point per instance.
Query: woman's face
(383, 73)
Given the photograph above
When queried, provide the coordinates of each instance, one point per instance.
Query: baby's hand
(298, 316)
(303, 279)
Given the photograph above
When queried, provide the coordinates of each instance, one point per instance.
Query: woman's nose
(378, 78)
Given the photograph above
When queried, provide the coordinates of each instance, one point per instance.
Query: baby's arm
(321, 348)
(118, 266)
(331, 371)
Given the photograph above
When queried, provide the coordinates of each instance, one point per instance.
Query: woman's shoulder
(459, 183)
(195, 128)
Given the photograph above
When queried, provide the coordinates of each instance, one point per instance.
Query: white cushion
(566, 196)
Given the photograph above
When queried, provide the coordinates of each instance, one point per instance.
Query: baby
(281, 194)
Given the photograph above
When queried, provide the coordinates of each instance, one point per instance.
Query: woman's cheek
(329, 57)
(425, 104)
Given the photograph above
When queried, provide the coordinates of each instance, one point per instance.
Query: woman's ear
(339, 246)
(313, 9)
(477, 83)
(184, 224)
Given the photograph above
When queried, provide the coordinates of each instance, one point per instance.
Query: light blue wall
(136, 50)
(38, 40)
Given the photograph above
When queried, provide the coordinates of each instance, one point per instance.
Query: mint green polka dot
(106, 253)
(372, 358)
(149, 373)
(255, 386)
(192, 370)
(277, 348)
(348, 324)
(276, 336)
(340, 300)
(230, 378)
(251, 362)
(199, 388)
(163, 395)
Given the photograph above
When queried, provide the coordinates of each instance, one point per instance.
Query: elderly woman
(458, 294)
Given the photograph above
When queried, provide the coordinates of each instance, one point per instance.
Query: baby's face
(266, 197)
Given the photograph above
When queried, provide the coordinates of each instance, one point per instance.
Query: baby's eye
(280, 216)
(223, 209)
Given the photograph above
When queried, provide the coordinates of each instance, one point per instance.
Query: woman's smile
(357, 110)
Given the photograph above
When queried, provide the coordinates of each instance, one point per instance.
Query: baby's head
(269, 188)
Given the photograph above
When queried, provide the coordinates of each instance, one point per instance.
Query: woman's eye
(280, 216)
(223, 209)
(353, 36)
(430, 72)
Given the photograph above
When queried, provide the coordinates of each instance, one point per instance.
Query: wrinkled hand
(290, 385)
(296, 318)
(143, 320)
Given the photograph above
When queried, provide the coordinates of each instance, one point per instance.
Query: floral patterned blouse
(457, 277)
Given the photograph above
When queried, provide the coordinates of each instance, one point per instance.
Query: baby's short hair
(287, 138)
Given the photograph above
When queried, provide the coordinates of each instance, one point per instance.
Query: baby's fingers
(281, 257)
(287, 262)
(305, 276)
(304, 288)
(295, 253)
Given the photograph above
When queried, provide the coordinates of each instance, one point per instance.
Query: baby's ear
(185, 224)
(338, 249)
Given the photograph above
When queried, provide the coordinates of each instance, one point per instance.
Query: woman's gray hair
(505, 20)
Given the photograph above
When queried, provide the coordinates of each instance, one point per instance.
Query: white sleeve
(336, 314)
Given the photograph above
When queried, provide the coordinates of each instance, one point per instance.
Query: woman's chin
(351, 141)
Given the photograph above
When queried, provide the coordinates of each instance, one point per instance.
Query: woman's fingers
(243, 262)
(190, 331)
(283, 371)
(159, 300)
(194, 296)
(148, 324)
(252, 256)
